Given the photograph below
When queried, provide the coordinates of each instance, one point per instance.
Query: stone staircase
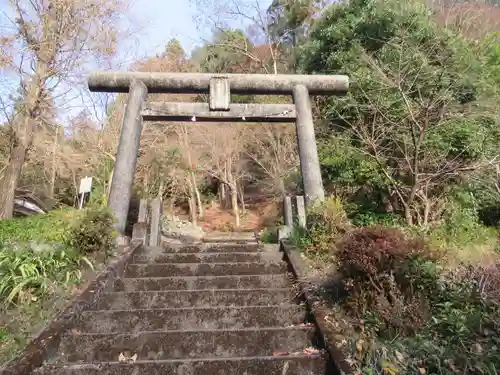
(214, 308)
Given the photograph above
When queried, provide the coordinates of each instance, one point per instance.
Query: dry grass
(473, 19)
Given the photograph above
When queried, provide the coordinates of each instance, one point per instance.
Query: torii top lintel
(194, 83)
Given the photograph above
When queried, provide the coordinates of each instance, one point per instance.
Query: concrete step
(133, 321)
(232, 257)
(193, 298)
(203, 269)
(161, 345)
(226, 237)
(203, 282)
(283, 365)
(211, 248)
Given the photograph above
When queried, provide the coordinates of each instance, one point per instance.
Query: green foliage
(416, 316)
(301, 239)
(491, 50)
(347, 166)
(417, 129)
(371, 218)
(43, 251)
(94, 233)
(460, 337)
(223, 54)
(27, 274)
(422, 107)
(461, 221)
(269, 235)
(289, 19)
(327, 224)
(461, 230)
(41, 258)
(48, 228)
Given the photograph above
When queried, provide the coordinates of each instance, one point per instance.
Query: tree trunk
(54, 169)
(427, 211)
(192, 202)
(198, 199)
(197, 194)
(161, 190)
(234, 197)
(194, 192)
(171, 204)
(408, 215)
(234, 204)
(23, 130)
(110, 179)
(229, 203)
(228, 178)
(222, 195)
(10, 180)
(192, 210)
(242, 200)
(281, 186)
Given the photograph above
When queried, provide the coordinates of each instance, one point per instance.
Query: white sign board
(85, 185)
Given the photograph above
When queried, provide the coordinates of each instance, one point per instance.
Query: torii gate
(219, 87)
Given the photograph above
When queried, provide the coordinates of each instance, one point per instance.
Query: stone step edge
(263, 263)
(204, 253)
(229, 242)
(206, 247)
(242, 330)
(199, 290)
(283, 306)
(203, 277)
(188, 360)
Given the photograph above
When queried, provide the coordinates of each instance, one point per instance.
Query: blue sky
(167, 19)
(157, 22)
(164, 20)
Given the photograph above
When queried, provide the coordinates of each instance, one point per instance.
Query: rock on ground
(174, 227)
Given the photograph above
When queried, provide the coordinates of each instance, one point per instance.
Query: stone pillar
(287, 211)
(126, 157)
(301, 211)
(155, 222)
(143, 211)
(308, 150)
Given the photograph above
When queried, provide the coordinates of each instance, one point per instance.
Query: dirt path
(259, 215)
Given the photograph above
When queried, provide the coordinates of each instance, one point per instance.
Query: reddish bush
(376, 265)
(368, 253)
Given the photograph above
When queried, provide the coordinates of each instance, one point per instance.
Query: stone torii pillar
(120, 192)
(139, 84)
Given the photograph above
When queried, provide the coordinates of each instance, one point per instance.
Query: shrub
(48, 228)
(300, 238)
(367, 219)
(94, 233)
(26, 274)
(327, 224)
(368, 253)
(269, 235)
(382, 270)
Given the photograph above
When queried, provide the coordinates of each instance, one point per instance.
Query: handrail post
(155, 228)
(301, 211)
